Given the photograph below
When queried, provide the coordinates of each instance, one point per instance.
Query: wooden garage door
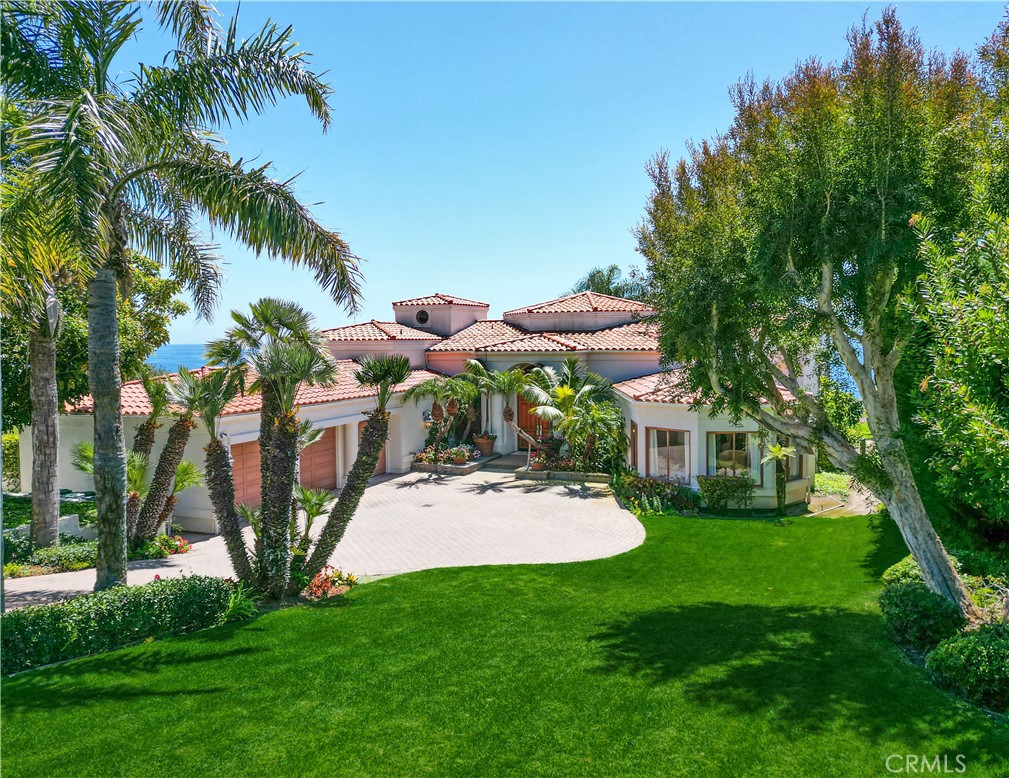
(246, 472)
(318, 462)
(380, 467)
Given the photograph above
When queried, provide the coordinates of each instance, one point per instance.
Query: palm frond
(187, 475)
(82, 456)
(192, 22)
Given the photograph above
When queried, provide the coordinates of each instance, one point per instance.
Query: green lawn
(720, 647)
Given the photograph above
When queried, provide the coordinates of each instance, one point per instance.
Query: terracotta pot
(459, 460)
(537, 466)
(485, 445)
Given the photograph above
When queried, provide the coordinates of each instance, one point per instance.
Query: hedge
(918, 617)
(42, 634)
(721, 491)
(11, 469)
(975, 665)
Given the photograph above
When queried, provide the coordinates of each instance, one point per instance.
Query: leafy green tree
(964, 401)
(791, 233)
(612, 281)
(138, 156)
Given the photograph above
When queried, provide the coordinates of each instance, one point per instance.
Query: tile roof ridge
(380, 328)
(572, 345)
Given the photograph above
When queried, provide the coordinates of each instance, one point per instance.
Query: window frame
(707, 458)
(686, 452)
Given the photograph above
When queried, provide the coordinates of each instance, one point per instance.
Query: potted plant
(485, 442)
(459, 455)
(538, 461)
(551, 445)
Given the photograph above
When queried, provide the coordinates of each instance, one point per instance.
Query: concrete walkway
(419, 521)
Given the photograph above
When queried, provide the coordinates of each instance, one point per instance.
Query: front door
(532, 425)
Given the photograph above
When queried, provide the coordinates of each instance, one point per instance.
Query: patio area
(418, 521)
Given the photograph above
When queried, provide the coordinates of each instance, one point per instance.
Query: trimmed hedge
(11, 468)
(918, 617)
(92, 623)
(722, 491)
(975, 665)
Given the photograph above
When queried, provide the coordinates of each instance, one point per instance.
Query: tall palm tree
(208, 393)
(507, 384)
(436, 390)
(382, 373)
(139, 159)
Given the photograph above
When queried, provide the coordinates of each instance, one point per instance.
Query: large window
(734, 453)
(668, 454)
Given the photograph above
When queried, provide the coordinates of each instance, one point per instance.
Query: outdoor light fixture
(427, 420)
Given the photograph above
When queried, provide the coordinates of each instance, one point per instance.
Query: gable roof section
(377, 330)
(670, 387)
(442, 299)
(499, 337)
(135, 402)
(584, 302)
(480, 334)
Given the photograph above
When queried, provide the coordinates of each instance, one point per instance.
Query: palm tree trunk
(143, 438)
(373, 438)
(45, 437)
(279, 459)
(110, 448)
(164, 477)
(222, 495)
(470, 417)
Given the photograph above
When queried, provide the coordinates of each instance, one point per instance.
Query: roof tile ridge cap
(592, 301)
(380, 328)
(573, 345)
(523, 336)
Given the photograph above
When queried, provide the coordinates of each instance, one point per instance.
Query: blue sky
(496, 151)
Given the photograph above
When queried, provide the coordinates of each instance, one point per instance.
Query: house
(438, 333)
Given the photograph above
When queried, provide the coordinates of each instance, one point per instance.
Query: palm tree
(208, 394)
(282, 352)
(507, 384)
(313, 503)
(141, 163)
(781, 455)
(149, 518)
(610, 280)
(187, 475)
(156, 387)
(382, 373)
(437, 390)
(138, 467)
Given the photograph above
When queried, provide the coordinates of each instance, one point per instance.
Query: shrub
(652, 495)
(41, 634)
(721, 491)
(975, 665)
(329, 582)
(75, 556)
(17, 547)
(918, 617)
(11, 462)
(242, 603)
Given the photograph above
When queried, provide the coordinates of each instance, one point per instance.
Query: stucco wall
(698, 425)
(442, 320)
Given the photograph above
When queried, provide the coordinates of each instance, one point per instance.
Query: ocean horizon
(170, 357)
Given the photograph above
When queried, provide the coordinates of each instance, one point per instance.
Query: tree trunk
(110, 448)
(904, 503)
(164, 477)
(222, 495)
(275, 555)
(45, 437)
(132, 514)
(373, 438)
(143, 438)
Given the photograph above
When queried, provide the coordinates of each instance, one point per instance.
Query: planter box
(450, 469)
(592, 478)
(68, 525)
(535, 475)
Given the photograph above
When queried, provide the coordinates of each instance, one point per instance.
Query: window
(668, 454)
(796, 463)
(422, 317)
(734, 453)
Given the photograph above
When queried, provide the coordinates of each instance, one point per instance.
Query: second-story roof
(377, 330)
(442, 299)
(585, 302)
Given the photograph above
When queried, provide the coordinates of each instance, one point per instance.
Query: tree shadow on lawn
(887, 548)
(814, 670)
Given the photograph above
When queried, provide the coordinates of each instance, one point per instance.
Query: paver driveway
(418, 521)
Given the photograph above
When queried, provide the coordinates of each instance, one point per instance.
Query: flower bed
(22, 561)
(652, 495)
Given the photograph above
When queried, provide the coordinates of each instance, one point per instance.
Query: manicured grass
(838, 484)
(18, 510)
(720, 647)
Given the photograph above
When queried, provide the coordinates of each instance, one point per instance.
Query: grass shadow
(887, 546)
(809, 669)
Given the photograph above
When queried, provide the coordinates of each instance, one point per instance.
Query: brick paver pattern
(419, 521)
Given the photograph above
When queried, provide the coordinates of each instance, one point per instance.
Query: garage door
(245, 468)
(318, 462)
(380, 467)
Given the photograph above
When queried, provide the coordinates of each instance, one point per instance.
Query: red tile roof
(501, 337)
(442, 299)
(479, 334)
(667, 387)
(134, 401)
(377, 330)
(584, 302)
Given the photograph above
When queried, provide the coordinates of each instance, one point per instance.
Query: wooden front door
(532, 425)
(318, 462)
(245, 469)
(380, 466)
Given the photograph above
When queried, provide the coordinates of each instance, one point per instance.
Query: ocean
(172, 356)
